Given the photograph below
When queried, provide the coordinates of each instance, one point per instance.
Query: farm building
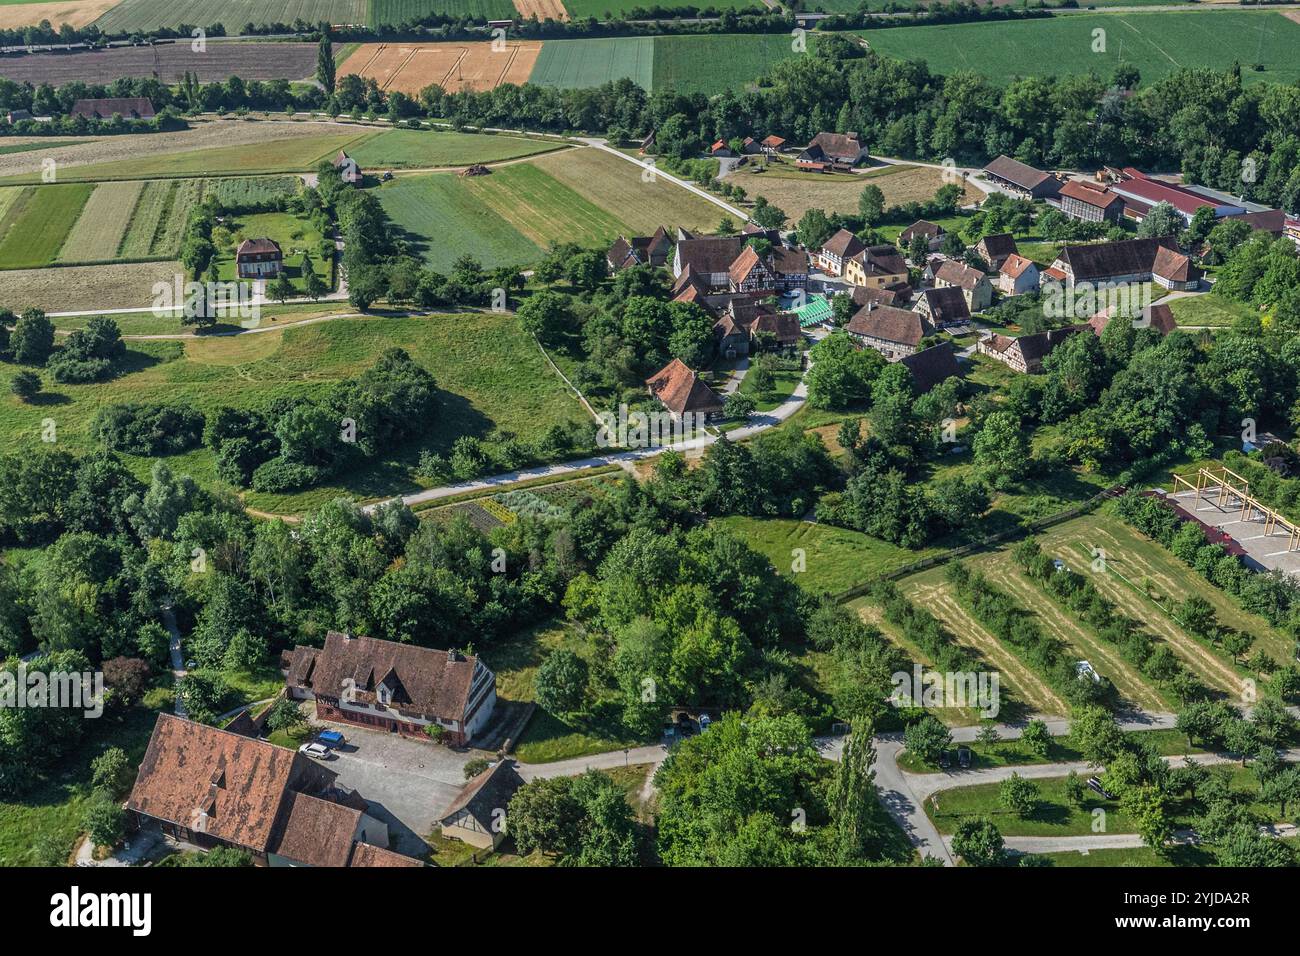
(899, 294)
(974, 284)
(709, 259)
(681, 390)
(259, 258)
(1129, 260)
(1020, 180)
(789, 268)
(745, 325)
(395, 687)
(214, 788)
(772, 145)
(1017, 276)
(831, 150)
(943, 307)
(932, 366)
(1026, 353)
(894, 333)
(1083, 200)
(933, 233)
(750, 274)
(477, 816)
(995, 249)
(348, 169)
(640, 250)
(836, 250)
(127, 107)
(1141, 193)
(877, 266)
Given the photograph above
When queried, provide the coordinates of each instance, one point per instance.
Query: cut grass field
(490, 373)
(289, 154)
(77, 13)
(130, 16)
(579, 64)
(38, 222)
(1159, 43)
(1013, 753)
(418, 149)
(544, 209)
(46, 143)
(617, 186)
(1209, 310)
(74, 288)
(438, 208)
(615, 9)
(102, 225)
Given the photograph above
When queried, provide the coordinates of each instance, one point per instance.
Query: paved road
(652, 754)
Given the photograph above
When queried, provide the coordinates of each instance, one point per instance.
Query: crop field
(444, 220)
(99, 231)
(797, 192)
(251, 61)
(44, 143)
(38, 223)
(73, 288)
(578, 64)
(1157, 43)
(616, 185)
(410, 67)
(543, 209)
(418, 149)
(541, 9)
(245, 191)
(157, 206)
(272, 156)
(131, 15)
(78, 13)
(707, 64)
(489, 369)
(397, 12)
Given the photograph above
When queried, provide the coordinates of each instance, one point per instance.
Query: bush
(111, 772)
(475, 767)
(285, 714)
(148, 430)
(105, 822)
(25, 385)
(279, 475)
(561, 682)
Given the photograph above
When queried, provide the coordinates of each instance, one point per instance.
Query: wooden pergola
(1229, 488)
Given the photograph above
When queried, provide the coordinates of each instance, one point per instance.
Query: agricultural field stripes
(713, 62)
(410, 67)
(1156, 43)
(133, 15)
(579, 64)
(77, 13)
(169, 61)
(102, 226)
(38, 223)
(543, 209)
(614, 9)
(414, 149)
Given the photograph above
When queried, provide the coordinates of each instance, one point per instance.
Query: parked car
(316, 751)
(387, 176)
(1094, 783)
(191, 664)
(944, 760)
(963, 756)
(330, 738)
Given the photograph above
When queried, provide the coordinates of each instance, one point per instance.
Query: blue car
(331, 738)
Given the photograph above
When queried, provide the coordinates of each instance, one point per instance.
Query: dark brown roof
(220, 783)
(890, 324)
(424, 680)
(317, 832)
(1105, 259)
(1268, 220)
(786, 262)
(898, 293)
(366, 854)
(881, 260)
(784, 326)
(681, 390)
(1014, 171)
(1159, 317)
(1098, 196)
(999, 245)
(931, 366)
(921, 227)
(1036, 347)
(620, 253)
(105, 108)
(490, 791)
(946, 304)
(837, 146)
(712, 255)
(843, 244)
(259, 246)
(959, 274)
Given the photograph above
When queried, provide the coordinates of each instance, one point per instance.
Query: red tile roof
(680, 390)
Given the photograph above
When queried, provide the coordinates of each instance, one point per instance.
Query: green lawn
(295, 234)
(543, 209)
(785, 384)
(418, 149)
(1013, 753)
(1143, 856)
(38, 222)
(143, 15)
(1158, 43)
(1209, 309)
(396, 12)
(489, 370)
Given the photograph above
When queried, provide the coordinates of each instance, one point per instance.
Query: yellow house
(875, 267)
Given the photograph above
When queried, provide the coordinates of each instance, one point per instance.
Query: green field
(99, 231)
(444, 219)
(294, 154)
(491, 373)
(396, 12)
(132, 15)
(30, 147)
(544, 209)
(419, 150)
(578, 64)
(1208, 310)
(709, 64)
(295, 235)
(159, 217)
(38, 222)
(1157, 43)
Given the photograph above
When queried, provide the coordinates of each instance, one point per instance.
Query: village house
(945, 307)
(876, 266)
(681, 390)
(899, 295)
(750, 274)
(1017, 276)
(1159, 317)
(789, 268)
(894, 333)
(640, 250)
(127, 107)
(974, 284)
(348, 170)
(772, 145)
(933, 233)
(1090, 203)
(1016, 178)
(836, 250)
(1126, 261)
(395, 687)
(833, 150)
(258, 258)
(709, 259)
(749, 323)
(1141, 194)
(478, 814)
(995, 249)
(932, 366)
(212, 788)
(1026, 352)
(720, 149)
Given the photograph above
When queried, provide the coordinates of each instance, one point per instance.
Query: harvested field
(796, 192)
(425, 149)
(541, 9)
(74, 288)
(616, 185)
(99, 231)
(251, 61)
(410, 67)
(78, 13)
(141, 146)
(143, 15)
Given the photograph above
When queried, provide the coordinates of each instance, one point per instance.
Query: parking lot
(408, 783)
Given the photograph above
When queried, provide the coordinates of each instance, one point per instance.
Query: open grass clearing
(421, 149)
(42, 219)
